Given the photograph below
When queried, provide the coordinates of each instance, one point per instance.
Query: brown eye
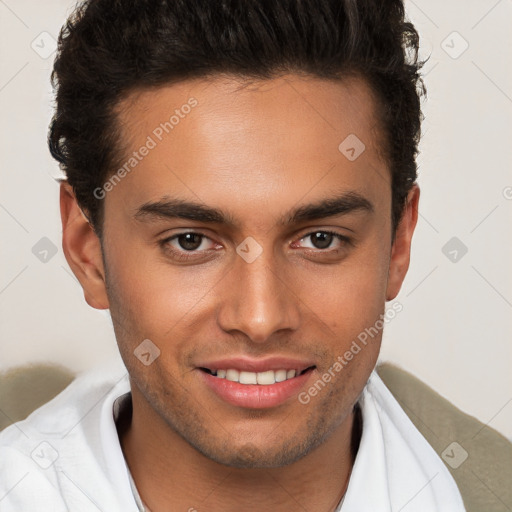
(321, 239)
(187, 245)
(189, 241)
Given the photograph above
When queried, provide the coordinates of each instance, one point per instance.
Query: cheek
(150, 297)
(349, 297)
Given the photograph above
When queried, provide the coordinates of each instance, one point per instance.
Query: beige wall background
(455, 328)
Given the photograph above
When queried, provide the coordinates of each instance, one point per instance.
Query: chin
(251, 456)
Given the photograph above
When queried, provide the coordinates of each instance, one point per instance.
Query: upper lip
(257, 365)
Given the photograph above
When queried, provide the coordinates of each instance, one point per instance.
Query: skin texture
(254, 152)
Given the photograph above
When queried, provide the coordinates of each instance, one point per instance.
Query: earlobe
(82, 249)
(401, 249)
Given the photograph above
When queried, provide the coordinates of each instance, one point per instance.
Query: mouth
(264, 389)
(264, 378)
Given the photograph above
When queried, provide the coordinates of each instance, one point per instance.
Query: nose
(258, 299)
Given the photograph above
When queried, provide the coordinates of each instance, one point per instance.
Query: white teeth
(232, 375)
(262, 378)
(266, 378)
(280, 375)
(247, 378)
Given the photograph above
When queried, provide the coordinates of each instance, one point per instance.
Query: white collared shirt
(66, 455)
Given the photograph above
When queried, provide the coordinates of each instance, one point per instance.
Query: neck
(167, 469)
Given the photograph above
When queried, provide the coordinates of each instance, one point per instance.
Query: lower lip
(253, 395)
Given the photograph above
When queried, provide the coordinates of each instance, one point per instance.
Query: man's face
(292, 290)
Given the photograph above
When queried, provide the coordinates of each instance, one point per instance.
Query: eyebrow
(175, 208)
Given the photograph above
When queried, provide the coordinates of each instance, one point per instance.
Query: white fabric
(396, 469)
(66, 456)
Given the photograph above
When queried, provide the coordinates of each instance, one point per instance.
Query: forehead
(222, 140)
(265, 106)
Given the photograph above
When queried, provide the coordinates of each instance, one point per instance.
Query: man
(241, 196)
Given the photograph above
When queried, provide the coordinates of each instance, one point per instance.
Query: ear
(82, 249)
(401, 249)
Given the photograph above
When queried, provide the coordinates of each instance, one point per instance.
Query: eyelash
(180, 254)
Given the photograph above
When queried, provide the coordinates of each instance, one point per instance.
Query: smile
(256, 390)
(264, 378)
